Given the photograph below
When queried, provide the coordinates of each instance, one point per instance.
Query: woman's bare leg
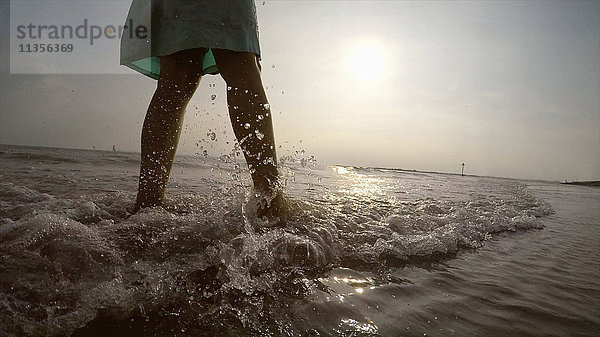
(250, 115)
(179, 77)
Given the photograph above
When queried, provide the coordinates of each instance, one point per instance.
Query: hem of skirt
(141, 70)
(210, 70)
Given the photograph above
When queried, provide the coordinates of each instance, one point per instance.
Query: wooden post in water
(462, 171)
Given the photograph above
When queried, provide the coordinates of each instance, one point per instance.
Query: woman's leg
(180, 74)
(250, 115)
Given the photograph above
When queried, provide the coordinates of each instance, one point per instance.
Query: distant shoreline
(593, 183)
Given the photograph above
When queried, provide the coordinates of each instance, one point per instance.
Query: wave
(205, 265)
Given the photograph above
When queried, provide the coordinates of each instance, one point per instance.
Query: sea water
(356, 252)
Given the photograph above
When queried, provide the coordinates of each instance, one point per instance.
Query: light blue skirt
(156, 28)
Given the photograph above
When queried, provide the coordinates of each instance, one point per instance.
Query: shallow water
(358, 252)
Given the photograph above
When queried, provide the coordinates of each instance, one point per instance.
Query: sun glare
(366, 59)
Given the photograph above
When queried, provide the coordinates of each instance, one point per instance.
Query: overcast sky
(511, 89)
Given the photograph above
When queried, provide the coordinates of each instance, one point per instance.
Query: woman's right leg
(179, 77)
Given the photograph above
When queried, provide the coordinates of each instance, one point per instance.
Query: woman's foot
(270, 204)
(132, 209)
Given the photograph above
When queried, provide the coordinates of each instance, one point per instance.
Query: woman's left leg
(250, 115)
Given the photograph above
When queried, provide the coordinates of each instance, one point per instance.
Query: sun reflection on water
(358, 184)
(352, 326)
(351, 285)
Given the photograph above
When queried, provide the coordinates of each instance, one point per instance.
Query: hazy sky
(511, 89)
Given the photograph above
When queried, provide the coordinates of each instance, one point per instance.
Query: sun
(366, 59)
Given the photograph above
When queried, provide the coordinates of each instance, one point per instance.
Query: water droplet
(247, 126)
(282, 92)
(205, 153)
(260, 117)
(259, 135)
(213, 96)
(267, 106)
(212, 135)
(273, 66)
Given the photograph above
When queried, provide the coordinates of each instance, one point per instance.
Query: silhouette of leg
(179, 77)
(250, 115)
